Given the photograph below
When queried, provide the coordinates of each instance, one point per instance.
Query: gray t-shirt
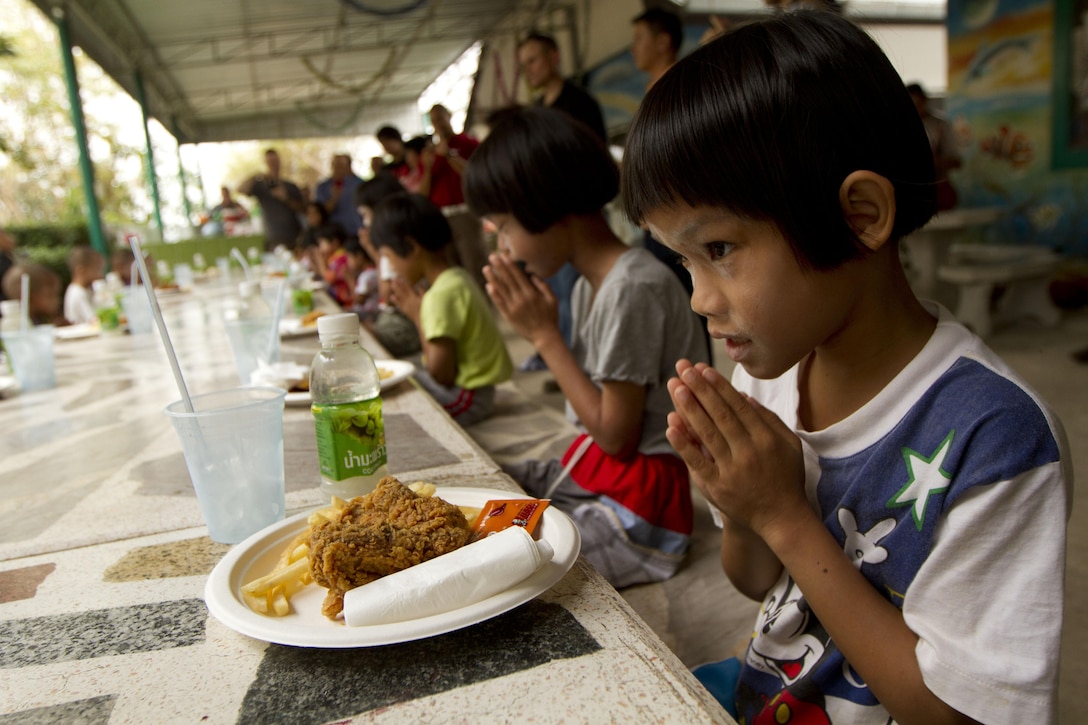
(634, 329)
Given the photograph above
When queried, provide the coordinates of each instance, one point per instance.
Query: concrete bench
(1022, 272)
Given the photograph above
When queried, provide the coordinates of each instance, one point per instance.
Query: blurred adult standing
(656, 37)
(456, 147)
(538, 59)
(337, 195)
(392, 142)
(469, 248)
(281, 202)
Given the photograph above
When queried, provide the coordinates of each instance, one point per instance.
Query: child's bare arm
(752, 465)
(868, 629)
(612, 414)
(440, 358)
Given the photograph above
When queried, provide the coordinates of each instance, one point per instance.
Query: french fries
(271, 593)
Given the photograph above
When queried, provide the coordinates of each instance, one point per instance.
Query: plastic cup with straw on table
(234, 252)
(30, 348)
(277, 313)
(135, 304)
(232, 441)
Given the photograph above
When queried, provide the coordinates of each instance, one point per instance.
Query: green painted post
(184, 188)
(141, 98)
(86, 170)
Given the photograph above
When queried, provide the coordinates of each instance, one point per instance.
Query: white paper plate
(305, 626)
(401, 369)
(293, 327)
(76, 332)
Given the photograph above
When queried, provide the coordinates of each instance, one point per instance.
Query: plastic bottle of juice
(347, 409)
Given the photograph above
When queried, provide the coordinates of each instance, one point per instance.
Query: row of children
(45, 304)
(894, 493)
(891, 491)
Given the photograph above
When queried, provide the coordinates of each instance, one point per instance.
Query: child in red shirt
(332, 264)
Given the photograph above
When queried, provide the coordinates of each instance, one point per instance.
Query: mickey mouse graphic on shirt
(793, 644)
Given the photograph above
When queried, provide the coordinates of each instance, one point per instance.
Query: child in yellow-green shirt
(464, 356)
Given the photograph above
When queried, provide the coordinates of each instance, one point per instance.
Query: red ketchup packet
(499, 514)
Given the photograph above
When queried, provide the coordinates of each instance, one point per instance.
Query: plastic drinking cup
(223, 263)
(137, 311)
(183, 275)
(251, 340)
(233, 447)
(31, 355)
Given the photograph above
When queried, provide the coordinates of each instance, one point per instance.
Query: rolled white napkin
(448, 582)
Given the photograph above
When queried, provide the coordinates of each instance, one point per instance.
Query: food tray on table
(392, 372)
(306, 626)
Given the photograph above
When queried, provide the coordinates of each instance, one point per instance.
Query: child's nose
(705, 299)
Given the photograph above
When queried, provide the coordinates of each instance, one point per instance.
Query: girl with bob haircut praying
(543, 180)
(890, 489)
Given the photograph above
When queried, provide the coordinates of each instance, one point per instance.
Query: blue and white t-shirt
(949, 491)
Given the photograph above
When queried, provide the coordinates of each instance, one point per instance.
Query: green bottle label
(350, 438)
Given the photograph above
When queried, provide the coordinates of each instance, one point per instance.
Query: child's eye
(717, 250)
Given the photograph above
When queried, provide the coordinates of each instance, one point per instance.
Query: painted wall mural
(1002, 104)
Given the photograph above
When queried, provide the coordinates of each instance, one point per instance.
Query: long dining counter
(104, 561)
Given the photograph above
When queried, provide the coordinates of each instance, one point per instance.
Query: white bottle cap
(345, 323)
(249, 287)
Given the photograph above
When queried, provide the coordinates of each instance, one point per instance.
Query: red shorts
(655, 487)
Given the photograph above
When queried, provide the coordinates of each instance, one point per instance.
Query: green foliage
(56, 258)
(50, 235)
(49, 244)
(40, 178)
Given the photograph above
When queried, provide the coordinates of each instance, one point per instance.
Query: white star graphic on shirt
(926, 477)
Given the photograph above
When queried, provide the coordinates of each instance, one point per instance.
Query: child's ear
(868, 205)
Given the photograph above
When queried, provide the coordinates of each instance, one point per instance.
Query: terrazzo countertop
(104, 561)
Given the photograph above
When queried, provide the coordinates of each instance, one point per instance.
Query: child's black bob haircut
(402, 218)
(540, 165)
(768, 120)
(371, 191)
(334, 232)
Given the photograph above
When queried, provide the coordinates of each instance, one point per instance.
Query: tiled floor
(1043, 357)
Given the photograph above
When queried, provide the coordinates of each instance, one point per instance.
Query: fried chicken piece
(389, 529)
